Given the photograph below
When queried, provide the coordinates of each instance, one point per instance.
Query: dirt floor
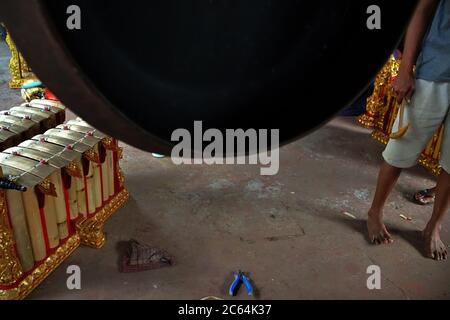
(288, 232)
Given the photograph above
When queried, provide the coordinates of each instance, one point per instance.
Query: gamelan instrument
(57, 190)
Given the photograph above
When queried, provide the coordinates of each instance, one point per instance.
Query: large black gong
(141, 69)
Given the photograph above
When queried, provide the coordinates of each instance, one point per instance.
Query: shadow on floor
(412, 237)
(339, 142)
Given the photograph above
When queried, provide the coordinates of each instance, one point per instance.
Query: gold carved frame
(18, 67)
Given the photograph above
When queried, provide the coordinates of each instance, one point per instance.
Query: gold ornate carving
(91, 229)
(376, 101)
(432, 153)
(110, 143)
(91, 233)
(31, 281)
(121, 177)
(20, 71)
(92, 155)
(47, 187)
(10, 268)
(73, 169)
(119, 172)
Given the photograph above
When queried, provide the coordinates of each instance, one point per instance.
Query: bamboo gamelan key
(71, 176)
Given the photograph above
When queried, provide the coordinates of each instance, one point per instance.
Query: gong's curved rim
(58, 70)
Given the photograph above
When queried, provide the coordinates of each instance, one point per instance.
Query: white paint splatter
(254, 185)
(362, 194)
(220, 184)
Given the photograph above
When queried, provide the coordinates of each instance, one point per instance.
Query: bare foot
(434, 247)
(378, 233)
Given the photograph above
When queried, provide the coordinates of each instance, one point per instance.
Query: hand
(404, 86)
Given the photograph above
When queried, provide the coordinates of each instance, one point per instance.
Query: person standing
(427, 92)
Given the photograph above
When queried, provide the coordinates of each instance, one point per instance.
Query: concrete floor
(288, 232)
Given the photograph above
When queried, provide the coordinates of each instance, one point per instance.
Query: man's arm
(405, 84)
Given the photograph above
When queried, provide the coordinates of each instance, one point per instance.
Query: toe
(436, 255)
(376, 240)
(386, 235)
(387, 238)
(444, 253)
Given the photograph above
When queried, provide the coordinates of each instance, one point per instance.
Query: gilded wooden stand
(18, 67)
(377, 102)
(26, 285)
(89, 232)
(10, 269)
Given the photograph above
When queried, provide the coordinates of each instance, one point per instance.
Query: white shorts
(427, 111)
